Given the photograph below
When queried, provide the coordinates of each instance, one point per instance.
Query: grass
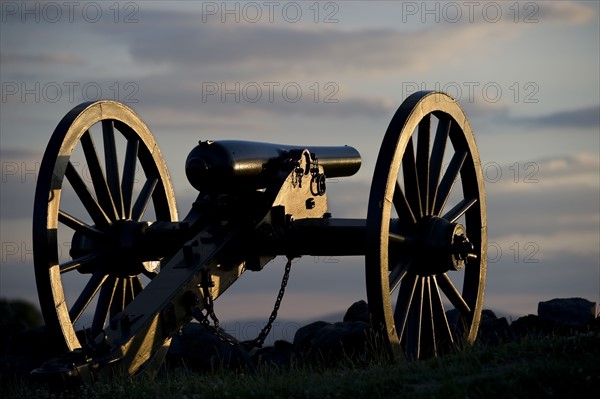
(559, 367)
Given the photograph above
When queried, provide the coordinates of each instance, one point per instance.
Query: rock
(20, 312)
(24, 345)
(358, 311)
(493, 330)
(595, 326)
(281, 355)
(26, 350)
(339, 341)
(570, 312)
(332, 342)
(304, 336)
(200, 349)
(532, 326)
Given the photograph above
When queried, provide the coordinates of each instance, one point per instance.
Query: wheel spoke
(405, 296)
(78, 262)
(102, 307)
(442, 327)
(413, 329)
(112, 164)
(396, 239)
(437, 157)
(98, 180)
(137, 285)
(129, 291)
(118, 302)
(427, 345)
(459, 209)
(85, 196)
(398, 273)
(411, 184)
(80, 226)
(129, 176)
(144, 199)
(450, 176)
(454, 296)
(87, 294)
(424, 131)
(403, 209)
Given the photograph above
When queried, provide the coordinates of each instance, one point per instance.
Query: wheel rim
(97, 215)
(427, 241)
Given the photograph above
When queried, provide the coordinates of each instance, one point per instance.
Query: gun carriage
(147, 273)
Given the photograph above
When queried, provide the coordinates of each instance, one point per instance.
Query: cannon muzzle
(231, 165)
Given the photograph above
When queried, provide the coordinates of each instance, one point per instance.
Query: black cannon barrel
(233, 165)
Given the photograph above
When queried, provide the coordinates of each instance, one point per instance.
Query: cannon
(142, 274)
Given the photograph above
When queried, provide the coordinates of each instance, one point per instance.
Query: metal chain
(208, 302)
(210, 312)
(260, 340)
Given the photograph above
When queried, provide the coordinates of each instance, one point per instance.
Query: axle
(445, 242)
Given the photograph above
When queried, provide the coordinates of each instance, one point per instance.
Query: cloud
(561, 181)
(582, 118)
(586, 117)
(188, 104)
(191, 99)
(17, 154)
(277, 50)
(183, 40)
(186, 40)
(571, 165)
(561, 13)
(569, 172)
(64, 58)
(19, 171)
(539, 247)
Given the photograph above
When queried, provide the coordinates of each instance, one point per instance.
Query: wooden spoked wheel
(86, 264)
(427, 239)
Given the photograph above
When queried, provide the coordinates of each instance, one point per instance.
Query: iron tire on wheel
(434, 257)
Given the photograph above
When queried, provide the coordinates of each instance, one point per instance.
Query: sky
(327, 73)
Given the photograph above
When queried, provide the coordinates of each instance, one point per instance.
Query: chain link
(204, 319)
(260, 340)
(210, 311)
(206, 284)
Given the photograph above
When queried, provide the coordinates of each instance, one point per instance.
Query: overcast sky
(328, 73)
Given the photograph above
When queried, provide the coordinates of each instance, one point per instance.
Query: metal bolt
(463, 248)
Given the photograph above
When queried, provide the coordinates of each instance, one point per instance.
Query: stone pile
(351, 339)
(199, 348)
(554, 318)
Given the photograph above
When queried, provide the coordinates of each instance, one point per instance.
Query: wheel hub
(123, 251)
(444, 245)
